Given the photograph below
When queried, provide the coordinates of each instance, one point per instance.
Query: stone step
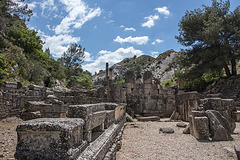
(151, 118)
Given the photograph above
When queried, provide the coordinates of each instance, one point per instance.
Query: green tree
(212, 37)
(11, 12)
(72, 59)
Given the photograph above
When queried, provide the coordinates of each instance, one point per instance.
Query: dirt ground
(143, 141)
(8, 137)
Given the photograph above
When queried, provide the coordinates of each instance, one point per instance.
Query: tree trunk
(227, 71)
(234, 67)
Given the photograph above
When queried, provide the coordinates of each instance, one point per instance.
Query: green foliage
(72, 59)
(22, 48)
(12, 14)
(168, 83)
(3, 66)
(206, 81)
(212, 36)
(121, 82)
(85, 80)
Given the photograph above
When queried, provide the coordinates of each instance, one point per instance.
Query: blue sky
(111, 30)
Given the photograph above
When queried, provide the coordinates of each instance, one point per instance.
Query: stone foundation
(81, 136)
(48, 138)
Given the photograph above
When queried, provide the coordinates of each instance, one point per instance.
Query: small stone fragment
(228, 149)
(135, 125)
(166, 130)
(187, 130)
(181, 124)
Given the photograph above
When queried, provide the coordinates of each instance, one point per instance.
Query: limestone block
(110, 118)
(198, 113)
(98, 118)
(213, 104)
(37, 88)
(151, 118)
(79, 111)
(11, 85)
(110, 106)
(201, 128)
(48, 138)
(220, 127)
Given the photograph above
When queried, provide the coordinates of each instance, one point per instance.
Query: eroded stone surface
(220, 127)
(50, 138)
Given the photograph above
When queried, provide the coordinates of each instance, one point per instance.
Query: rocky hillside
(227, 88)
(159, 66)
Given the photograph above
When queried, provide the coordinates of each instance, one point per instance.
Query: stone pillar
(110, 74)
(130, 77)
(106, 76)
(147, 77)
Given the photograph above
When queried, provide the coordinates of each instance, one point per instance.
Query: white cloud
(111, 58)
(130, 29)
(135, 40)
(164, 10)
(78, 14)
(150, 23)
(122, 26)
(154, 53)
(110, 21)
(58, 43)
(49, 6)
(87, 57)
(157, 41)
(32, 5)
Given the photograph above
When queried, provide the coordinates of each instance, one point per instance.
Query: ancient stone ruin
(209, 118)
(88, 123)
(87, 133)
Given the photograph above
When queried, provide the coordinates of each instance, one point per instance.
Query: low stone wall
(71, 138)
(16, 100)
(13, 97)
(83, 96)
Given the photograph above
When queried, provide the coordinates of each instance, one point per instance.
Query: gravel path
(142, 142)
(145, 142)
(8, 137)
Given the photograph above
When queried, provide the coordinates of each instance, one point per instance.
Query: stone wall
(148, 98)
(33, 101)
(13, 97)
